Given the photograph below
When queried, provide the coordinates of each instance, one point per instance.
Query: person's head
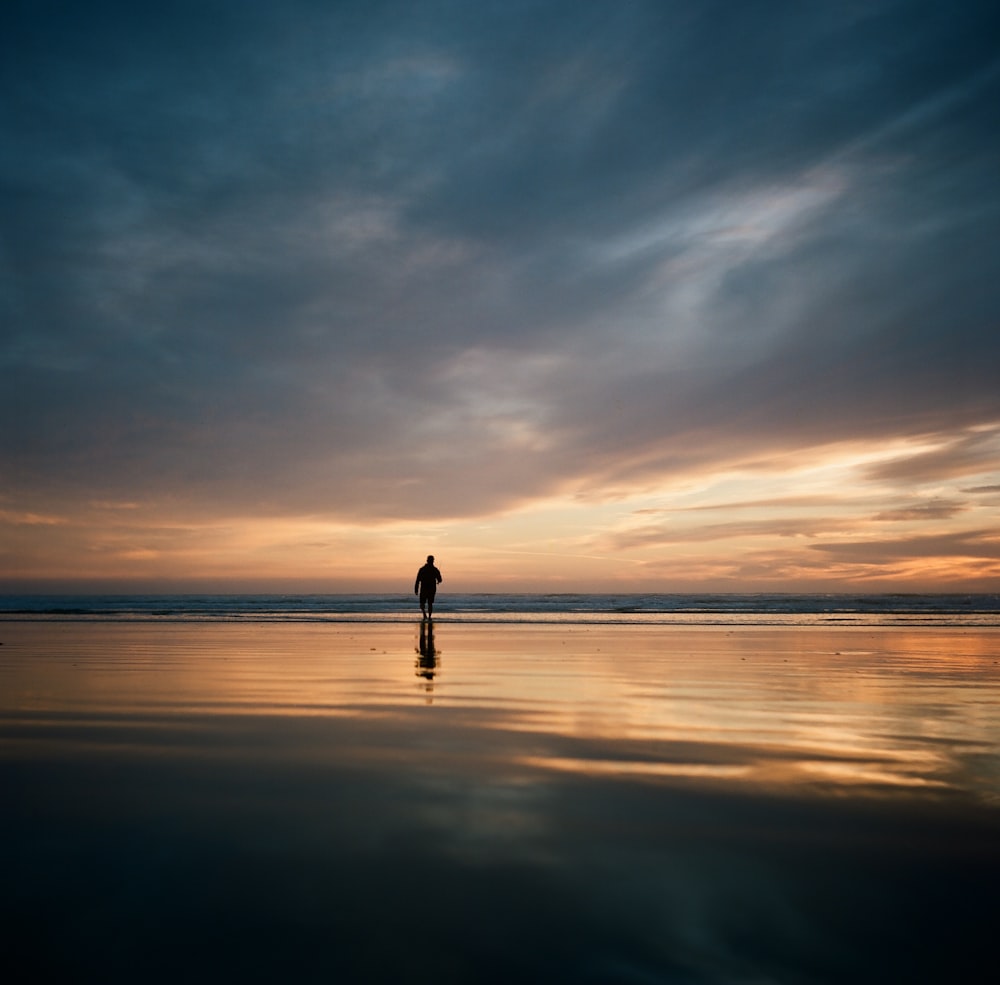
(430, 558)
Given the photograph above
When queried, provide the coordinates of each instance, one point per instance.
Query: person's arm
(437, 574)
(416, 584)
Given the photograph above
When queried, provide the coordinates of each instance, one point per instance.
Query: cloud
(387, 261)
(17, 518)
(663, 535)
(935, 510)
(966, 544)
(965, 453)
(768, 503)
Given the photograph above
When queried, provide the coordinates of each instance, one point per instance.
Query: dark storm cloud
(387, 259)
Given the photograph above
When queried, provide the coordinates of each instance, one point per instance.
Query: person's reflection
(427, 662)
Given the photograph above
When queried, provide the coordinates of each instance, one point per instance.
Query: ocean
(767, 609)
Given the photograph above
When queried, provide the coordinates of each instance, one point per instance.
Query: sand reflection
(570, 803)
(814, 708)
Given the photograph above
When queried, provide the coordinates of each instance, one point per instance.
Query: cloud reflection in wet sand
(262, 803)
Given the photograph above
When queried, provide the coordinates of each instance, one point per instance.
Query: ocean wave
(645, 609)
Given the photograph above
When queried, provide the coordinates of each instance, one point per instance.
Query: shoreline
(906, 621)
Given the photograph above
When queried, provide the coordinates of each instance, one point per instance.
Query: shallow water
(560, 803)
(739, 609)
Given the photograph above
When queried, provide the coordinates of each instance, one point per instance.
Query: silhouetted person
(428, 579)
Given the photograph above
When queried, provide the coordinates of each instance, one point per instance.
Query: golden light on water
(868, 707)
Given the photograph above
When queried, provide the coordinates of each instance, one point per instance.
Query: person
(428, 579)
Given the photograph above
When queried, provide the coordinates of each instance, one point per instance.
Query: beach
(454, 802)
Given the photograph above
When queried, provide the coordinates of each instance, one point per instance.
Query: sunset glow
(826, 518)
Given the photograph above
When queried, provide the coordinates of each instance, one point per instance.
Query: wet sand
(481, 803)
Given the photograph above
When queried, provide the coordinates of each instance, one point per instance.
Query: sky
(605, 295)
